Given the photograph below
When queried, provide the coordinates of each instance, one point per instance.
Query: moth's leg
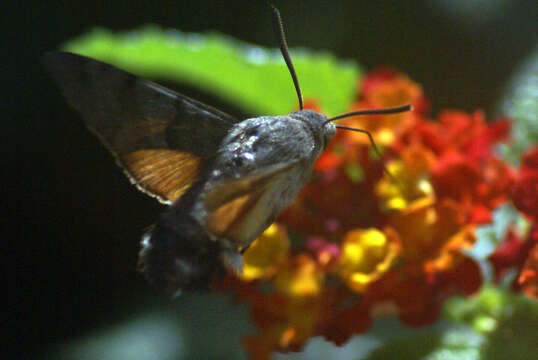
(232, 260)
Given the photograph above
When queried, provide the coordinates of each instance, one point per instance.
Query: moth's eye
(252, 131)
(238, 161)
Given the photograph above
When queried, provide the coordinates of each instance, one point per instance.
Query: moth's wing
(230, 201)
(160, 138)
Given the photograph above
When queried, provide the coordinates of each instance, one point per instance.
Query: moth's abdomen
(176, 255)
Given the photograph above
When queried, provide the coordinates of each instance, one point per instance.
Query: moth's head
(322, 129)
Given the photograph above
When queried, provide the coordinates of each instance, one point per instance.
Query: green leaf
(508, 321)
(253, 78)
(453, 344)
(520, 102)
(495, 324)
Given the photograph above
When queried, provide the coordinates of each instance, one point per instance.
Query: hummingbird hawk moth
(226, 180)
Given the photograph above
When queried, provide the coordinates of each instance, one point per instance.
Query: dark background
(73, 222)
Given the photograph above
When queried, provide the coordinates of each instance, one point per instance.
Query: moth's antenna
(364, 132)
(378, 153)
(393, 110)
(279, 32)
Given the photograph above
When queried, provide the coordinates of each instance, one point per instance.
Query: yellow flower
(265, 254)
(366, 255)
(300, 277)
(409, 182)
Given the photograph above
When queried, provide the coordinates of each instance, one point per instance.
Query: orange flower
(381, 89)
(385, 87)
(291, 326)
(451, 253)
(426, 227)
(287, 318)
(311, 104)
(284, 323)
(384, 128)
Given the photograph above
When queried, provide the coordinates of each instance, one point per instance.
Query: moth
(226, 180)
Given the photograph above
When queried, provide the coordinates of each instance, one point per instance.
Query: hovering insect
(225, 180)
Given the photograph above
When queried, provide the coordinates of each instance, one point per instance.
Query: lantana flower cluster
(370, 236)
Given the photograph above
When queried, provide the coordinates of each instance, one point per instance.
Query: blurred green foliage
(454, 344)
(509, 322)
(520, 103)
(251, 77)
(494, 324)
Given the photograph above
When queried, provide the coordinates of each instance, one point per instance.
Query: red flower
(455, 177)
(345, 320)
(513, 253)
(528, 277)
(525, 190)
(480, 147)
(468, 134)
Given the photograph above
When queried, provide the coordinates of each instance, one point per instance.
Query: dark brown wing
(161, 138)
